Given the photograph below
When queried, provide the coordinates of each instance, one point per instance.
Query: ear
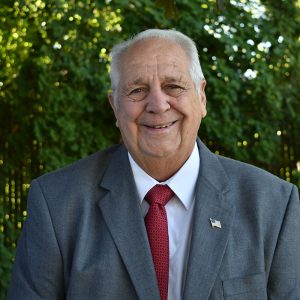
(112, 101)
(203, 98)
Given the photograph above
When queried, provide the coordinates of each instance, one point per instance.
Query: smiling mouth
(161, 126)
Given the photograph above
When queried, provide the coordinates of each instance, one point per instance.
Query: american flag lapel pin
(215, 223)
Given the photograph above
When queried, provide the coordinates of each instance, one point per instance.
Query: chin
(160, 152)
(158, 148)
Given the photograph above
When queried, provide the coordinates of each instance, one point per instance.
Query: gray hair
(186, 43)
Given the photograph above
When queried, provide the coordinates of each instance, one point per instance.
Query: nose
(157, 101)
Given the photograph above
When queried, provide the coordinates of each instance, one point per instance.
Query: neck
(162, 168)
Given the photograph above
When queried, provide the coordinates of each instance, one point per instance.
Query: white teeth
(162, 126)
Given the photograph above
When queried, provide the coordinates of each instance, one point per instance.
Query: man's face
(158, 109)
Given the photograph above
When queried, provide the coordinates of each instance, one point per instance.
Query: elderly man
(159, 217)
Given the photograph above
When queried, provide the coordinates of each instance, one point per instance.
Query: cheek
(127, 122)
(192, 113)
(124, 114)
(198, 109)
(130, 110)
(193, 118)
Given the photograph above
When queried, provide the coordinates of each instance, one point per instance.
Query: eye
(137, 94)
(173, 86)
(136, 91)
(174, 90)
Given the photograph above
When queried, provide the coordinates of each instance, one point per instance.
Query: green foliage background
(54, 81)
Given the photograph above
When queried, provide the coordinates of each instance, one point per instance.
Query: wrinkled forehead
(154, 52)
(149, 60)
(160, 67)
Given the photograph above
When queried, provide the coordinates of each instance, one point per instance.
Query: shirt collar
(182, 183)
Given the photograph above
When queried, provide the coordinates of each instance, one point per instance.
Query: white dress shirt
(179, 213)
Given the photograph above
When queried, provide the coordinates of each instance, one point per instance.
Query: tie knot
(159, 194)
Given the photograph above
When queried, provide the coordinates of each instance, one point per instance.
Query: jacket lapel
(120, 208)
(208, 244)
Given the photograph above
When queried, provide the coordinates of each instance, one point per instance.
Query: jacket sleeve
(284, 279)
(38, 269)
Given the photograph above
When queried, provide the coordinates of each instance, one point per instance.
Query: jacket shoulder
(252, 176)
(83, 171)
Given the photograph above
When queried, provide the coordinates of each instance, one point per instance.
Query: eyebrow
(171, 79)
(137, 81)
(174, 79)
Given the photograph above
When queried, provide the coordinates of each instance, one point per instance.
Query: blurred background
(54, 64)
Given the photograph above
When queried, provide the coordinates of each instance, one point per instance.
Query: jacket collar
(208, 244)
(122, 213)
(121, 210)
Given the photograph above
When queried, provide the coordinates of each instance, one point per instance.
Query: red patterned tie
(157, 228)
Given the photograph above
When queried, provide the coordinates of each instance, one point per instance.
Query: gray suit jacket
(85, 238)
